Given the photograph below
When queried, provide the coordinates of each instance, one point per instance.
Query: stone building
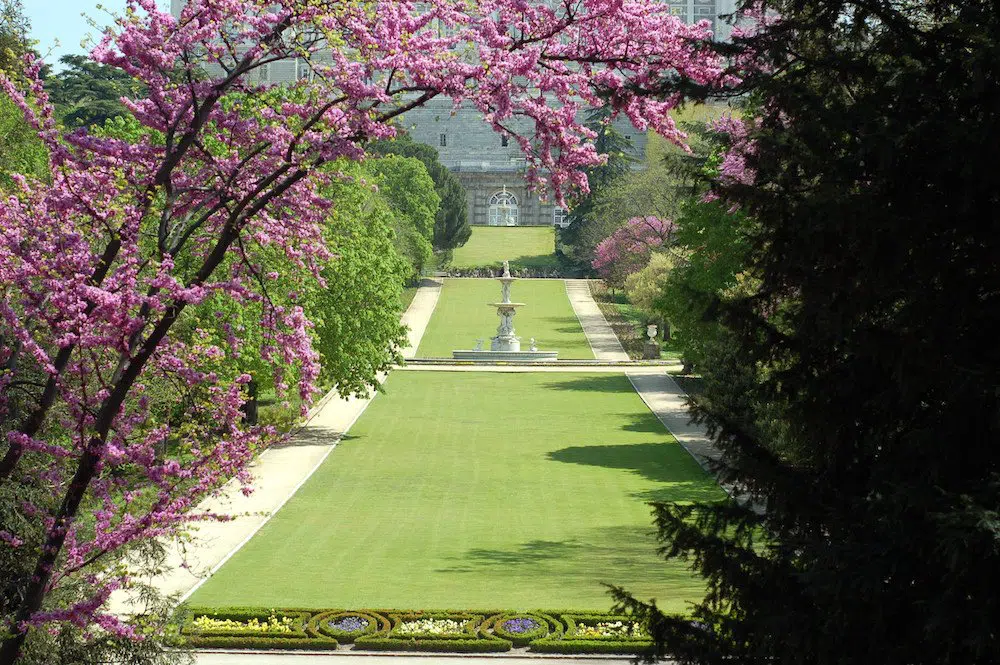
(491, 166)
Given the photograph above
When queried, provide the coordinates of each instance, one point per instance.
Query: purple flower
(520, 625)
(349, 624)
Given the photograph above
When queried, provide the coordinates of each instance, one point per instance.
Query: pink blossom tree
(628, 249)
(101, 261)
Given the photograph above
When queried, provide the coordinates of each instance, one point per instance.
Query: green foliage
(451, 222)
(14, 40)
(643, 287)
(21, 151)
(87, 93)
(712, 249)
(856, 401)
(409, 191)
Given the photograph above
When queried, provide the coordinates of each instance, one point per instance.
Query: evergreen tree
(87, 93)
(857, 405)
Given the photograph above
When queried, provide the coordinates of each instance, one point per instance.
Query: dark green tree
(451, 224)
(858, 407)
(86, 93)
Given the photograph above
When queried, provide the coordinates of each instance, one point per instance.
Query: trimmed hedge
(483, 632)
(256, 642)
(320, 625)
(427, 644)
(546, 626)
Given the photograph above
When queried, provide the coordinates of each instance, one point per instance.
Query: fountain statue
(505, 345)
(505, 339)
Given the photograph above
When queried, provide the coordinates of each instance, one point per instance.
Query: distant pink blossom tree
(99, 264)
(628, 249)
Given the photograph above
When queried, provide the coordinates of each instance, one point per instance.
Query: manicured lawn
(462, 316)
(526, 246)
(478, 490)
(406, 297)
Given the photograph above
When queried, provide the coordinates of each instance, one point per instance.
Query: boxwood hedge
(483, 631)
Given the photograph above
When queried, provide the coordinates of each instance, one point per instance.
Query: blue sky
(61, 20)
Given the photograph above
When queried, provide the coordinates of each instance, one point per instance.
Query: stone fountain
(505, 345)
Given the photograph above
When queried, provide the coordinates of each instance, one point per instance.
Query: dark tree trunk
(250, 406)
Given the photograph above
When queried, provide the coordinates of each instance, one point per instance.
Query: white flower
(431, 627)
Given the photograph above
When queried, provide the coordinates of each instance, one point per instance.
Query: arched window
(503, 209)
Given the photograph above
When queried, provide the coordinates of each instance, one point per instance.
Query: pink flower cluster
(628, 249)
(99, 263)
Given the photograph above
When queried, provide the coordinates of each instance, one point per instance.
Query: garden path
(666, 400)
(278, 472)
(602, 338)
(418, 314)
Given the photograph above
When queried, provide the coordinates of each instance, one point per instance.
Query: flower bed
(435, 631)
(522, 629)
(400, 630)
(597, 633)
(346, 627)
(250, 628)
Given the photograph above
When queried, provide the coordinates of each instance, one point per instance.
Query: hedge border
(256, 642)
(475, 645)
(480, 635)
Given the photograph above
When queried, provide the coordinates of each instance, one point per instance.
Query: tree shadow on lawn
(313, 436)
(608, 554)
(608, 383)
(653, 462)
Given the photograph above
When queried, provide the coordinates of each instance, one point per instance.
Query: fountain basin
(515, 356)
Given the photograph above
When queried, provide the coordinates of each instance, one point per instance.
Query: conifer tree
(858, 405)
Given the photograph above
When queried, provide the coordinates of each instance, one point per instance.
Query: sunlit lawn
(524, 246)
(478, 490)
(463, 315)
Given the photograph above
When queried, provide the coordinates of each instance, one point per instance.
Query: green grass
(478, 490)
(526, 246)
(462, 316)
(406, 297)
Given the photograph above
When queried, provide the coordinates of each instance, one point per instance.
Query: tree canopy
(451, 222)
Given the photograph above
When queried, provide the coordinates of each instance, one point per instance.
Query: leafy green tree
(14, 31)
(857, 406)
(86, 93)
(451, 223)
(406, 186)
(20, 149)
